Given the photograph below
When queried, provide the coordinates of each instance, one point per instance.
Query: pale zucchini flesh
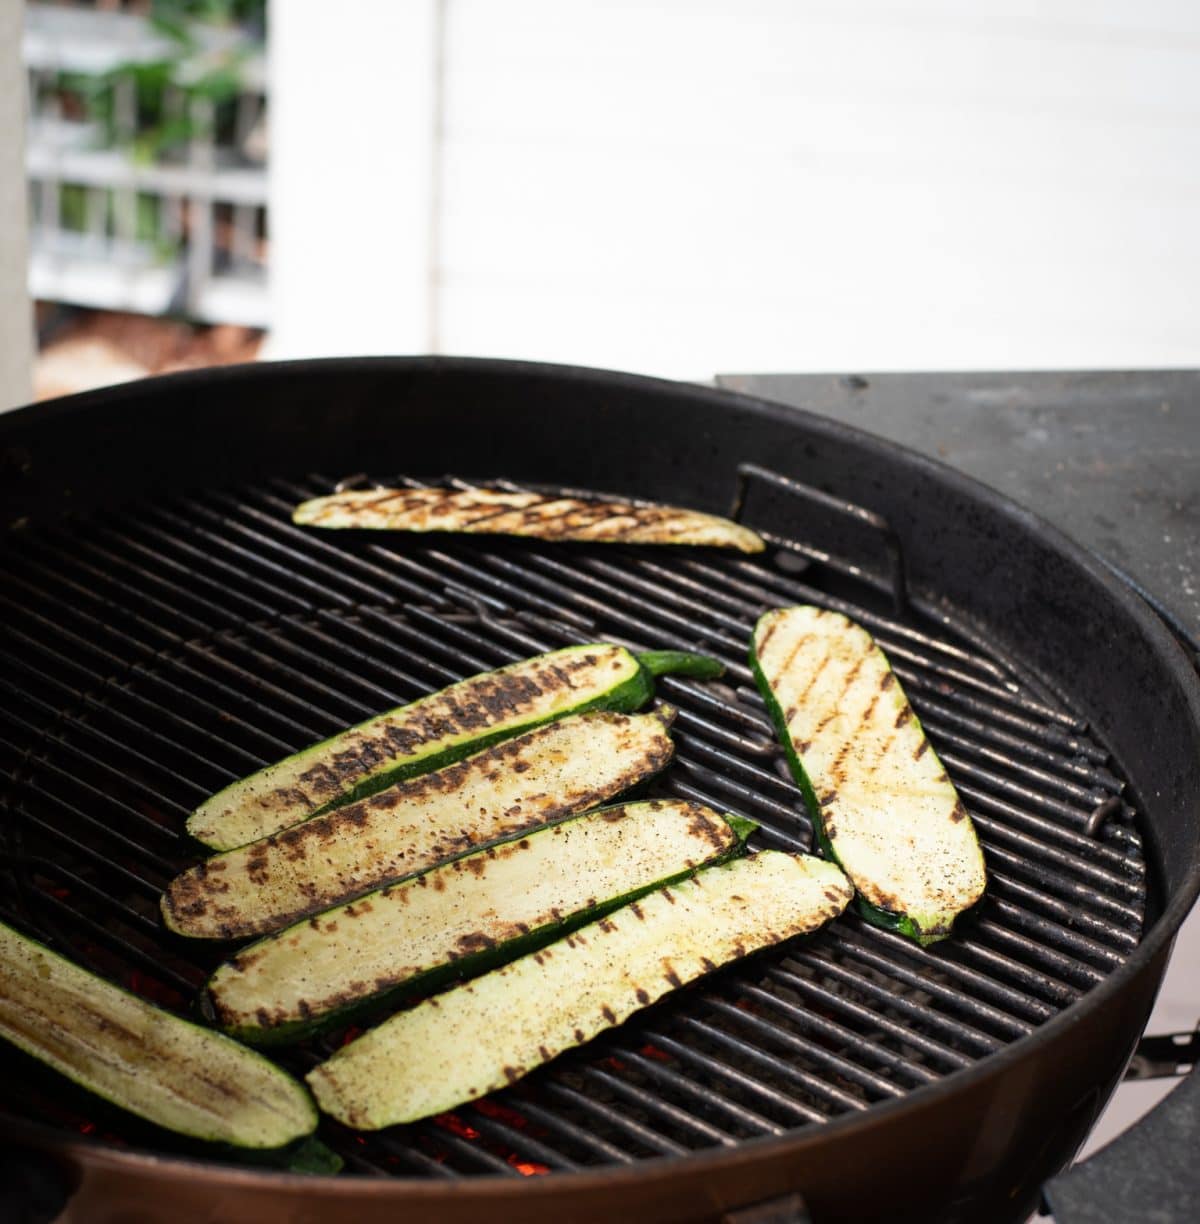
(142, 1059)
(420, 737)
(486, 1034)
(538, 515)
(883, 806)
(460, 918)
(568, 766)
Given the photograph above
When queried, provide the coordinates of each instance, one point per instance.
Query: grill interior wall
(153, 654)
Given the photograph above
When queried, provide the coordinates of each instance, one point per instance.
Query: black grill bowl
(1068, 640)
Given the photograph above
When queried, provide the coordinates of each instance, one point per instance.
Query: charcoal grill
(167, 629)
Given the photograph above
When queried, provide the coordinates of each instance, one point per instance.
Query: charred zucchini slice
(432, 732)
(542, 516)
(508, 789)
(142, 1059)
(485, 1034)
(881, 802)
(463, 917)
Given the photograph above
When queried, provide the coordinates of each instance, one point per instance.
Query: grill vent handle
(788, 1209)
(848, 522)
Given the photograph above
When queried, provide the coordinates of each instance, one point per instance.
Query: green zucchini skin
(431, 733)
(568, 766)
(487, 1033)
(128, 1053)
(840, 797)
(462, 918)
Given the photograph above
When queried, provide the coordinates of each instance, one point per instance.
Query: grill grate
(152, 654)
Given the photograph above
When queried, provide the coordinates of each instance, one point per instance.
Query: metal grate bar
(1006, 969)
(1071, 915)
(776, 1069)
(76, 700)
(559, 1123)
(472, 1155)
(167, 545)
(794, 1037)
(972, 730)
(982, 986)
(863, 1014)
(886, 996)
(84, 760)
(519, 1141)
(1043, 851)
(287, 576)
(128, 845)
(232, 635)
(656, 1106)
(650, 1140)
(980, 1012)
(738, 1115)
(1014, 767)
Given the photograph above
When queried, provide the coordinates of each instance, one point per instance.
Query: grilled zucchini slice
(142, 1059)
(881, 802)
(486, 1034)
(463, 917)
(432, 732)
(542, 516)
(506, 790)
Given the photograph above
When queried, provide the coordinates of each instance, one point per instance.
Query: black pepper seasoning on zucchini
(433, 732)
(508, 789)
(882, 804)
(463, 917)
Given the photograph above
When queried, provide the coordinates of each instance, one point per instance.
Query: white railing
(182, 231)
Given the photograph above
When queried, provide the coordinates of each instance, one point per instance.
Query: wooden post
(16, 310)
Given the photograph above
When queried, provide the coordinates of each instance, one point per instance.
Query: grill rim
(1148, 957)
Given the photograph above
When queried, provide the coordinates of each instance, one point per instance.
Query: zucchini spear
(486, 1034)
(506, 790)
(542, 516)
(432, 732)
(144, 1060)
(882, 805)
(465, 916)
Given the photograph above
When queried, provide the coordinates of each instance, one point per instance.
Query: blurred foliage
(165, 90)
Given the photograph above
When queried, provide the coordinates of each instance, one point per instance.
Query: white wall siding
(686, 187)
(692, 186)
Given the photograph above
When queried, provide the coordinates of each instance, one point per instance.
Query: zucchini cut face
(486, 1034)
(542, 516)
(478, 911)
(882, 804)
(508, 789)
(134, 1055)
(420, 737)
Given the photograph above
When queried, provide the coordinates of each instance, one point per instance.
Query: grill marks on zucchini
(883, 805)
(486, 1034)
(120, 1048)
(418, 738)
(476, 911)
(521, 784)
(543, 516)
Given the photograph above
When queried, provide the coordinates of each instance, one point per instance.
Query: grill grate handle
(842, 514)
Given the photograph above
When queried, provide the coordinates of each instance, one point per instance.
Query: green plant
(189, 69)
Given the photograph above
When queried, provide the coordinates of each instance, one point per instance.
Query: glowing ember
(652, 1051)
(456, 1126)
(528, 1168)
(502, 1113)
